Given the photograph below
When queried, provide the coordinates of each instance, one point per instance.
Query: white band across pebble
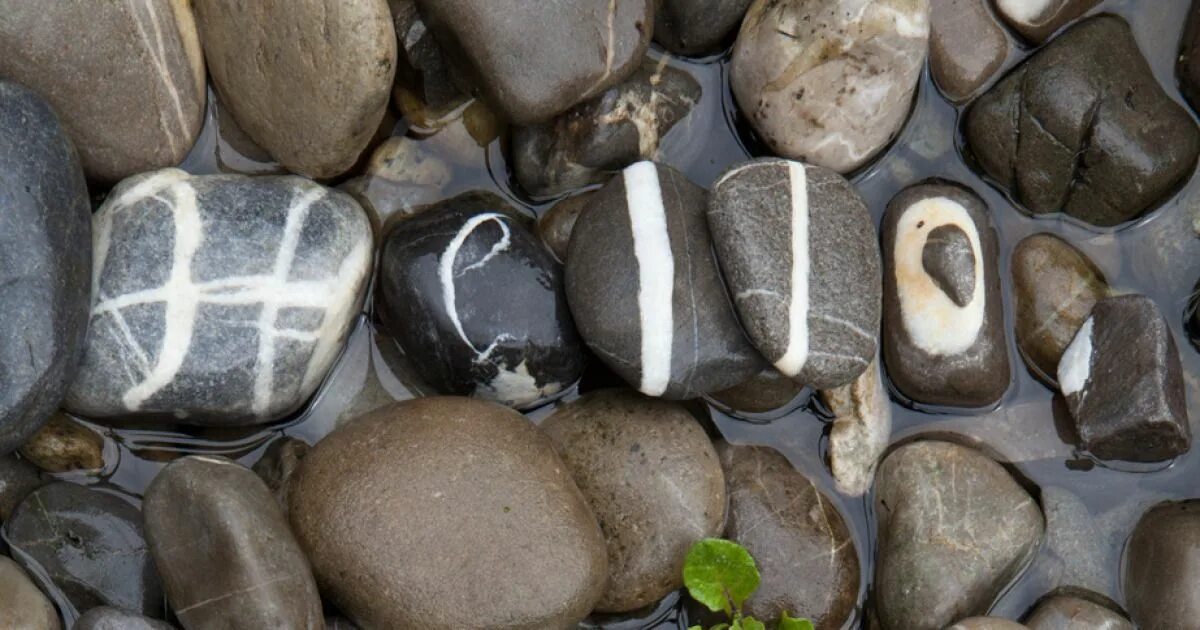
(656, 274)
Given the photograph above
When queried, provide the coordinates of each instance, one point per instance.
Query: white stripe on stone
(796, 356)
(656, 274)
(446, 269)
(1076, 364)
(1027, 11)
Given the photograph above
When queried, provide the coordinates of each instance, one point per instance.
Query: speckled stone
(799, 253)
(986, 623)
(764, 392)
(1036, 20)
(1068, 612)
(1162, 567)
(22, 605)
(591, 141)
(278, 462)
(1077, 122)
(64, 445)
(17, 479)
(967, 45)
(806, 555)
(695, 27)
(554, 226)
(829, 82)
(861, 431)
(108, 618)
(954, 529)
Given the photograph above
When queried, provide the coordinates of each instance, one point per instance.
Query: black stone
(948, 259)
(693, 27)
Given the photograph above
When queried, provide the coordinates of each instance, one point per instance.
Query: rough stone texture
(64, 444)
(108, 618)
(89, 544)
(954, 529)
(862, 427)
(477, 304)
(554, 226)
(588, 143)
(45, 259)
(967, 45)
(1037, 20)
(823, 330)
(764, 392)
(1123, 383)
(1162, 567)
(280, 460)
(22, 605)
(532, 61)
(937, 350)
(694, 27)
(829, 82)
(1082, 127)
(240, 566)
(1054, 289)
(308, 80)
(806, 556)
(422, 67)
(986, 623)
(695, 345)
(17, 479)
(482, 493)
(651, 475)
(126, 78)
(1068, 612)
(219, 299)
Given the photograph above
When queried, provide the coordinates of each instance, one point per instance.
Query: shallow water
(1091, 507)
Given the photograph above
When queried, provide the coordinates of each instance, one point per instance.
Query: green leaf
(788, 623)
(695, 627)
(720, 572)
(750, 623)
(720, 626)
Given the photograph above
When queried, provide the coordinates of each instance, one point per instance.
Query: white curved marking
(1076, 364)
(656, 274)
(796, 356)
(1026, 11)
(446, 270)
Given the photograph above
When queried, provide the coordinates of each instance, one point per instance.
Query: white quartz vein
(157, 52)
(796, 354)
(446, 273)
(656, 275)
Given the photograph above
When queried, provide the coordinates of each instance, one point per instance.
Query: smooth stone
(645, 290)
(45, 261)
(532, 62)
(806, 555)
(338, 623)
(987, 623)
(1162, 567)
(89, 544)
(829, 82)
(477, 304)
(798, 251)
(514, 513)
(1068, 612)
(422, 67)
(1055, 287)
(242, 566)
(954, 529)
(861, 431)
(967, 46)
(252, 307)
(63, 445)
(108, 618)
(591, 141)
(1123, 383)
(22, 604)
(762, 393)
(17, 479)
(278, 463)
(651, 475)
(1080, 119)
(1037, 20)
(696, 27)
(1187, 69)
(127, 79)
(309, 84)
(938, 350)
(555, 225)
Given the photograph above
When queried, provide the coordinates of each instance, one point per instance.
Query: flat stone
(1162, 567)
(17, 479)
(1037, 20)
(806, 555)
(514, 513)
(308, 84)
(554, 226)
(1055, 287)
(798, 250)
(967, 45)
(45, 260)
(241, 566)
(986, 623)
(63, 445)
(476, 303)
(764, 392)
(1123, 383)
(861, 431)
(695, 27)
(1080, 119)
(591, 141)
(1068, 612)
(127, 79)
(108, 618)
(954, 529)
(829, 82)
(221, 299)
(534, 61)
(278, 462)
(940, 347)
(24, 606)
(89, 544)
(646, 292)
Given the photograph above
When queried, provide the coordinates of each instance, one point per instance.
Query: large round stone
(1162, 567)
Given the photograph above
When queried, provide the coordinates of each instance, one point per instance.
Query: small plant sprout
(722, 575)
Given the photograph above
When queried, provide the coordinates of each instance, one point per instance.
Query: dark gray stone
(967, 46)
(278, 463)
(554, 226)
(1162, 567)
(22, 605)
(986, 623)
(45, 263)
(108, 618)
(764, 392)
(222, 299)
(532, 61)
(17, 479)
(954, 529)
(652, 264)
(1037, 21)
(1069, 612)
(1123, 383)
(338, 623)
(599, 137)
(822, 332)
(694, 27)
(89, 544)
(476, 302)
(241, 566)
(1188, 65)
(422, 67)
(1083, 127)
(941, 345)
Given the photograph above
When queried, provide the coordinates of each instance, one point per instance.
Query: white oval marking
(1076, 364)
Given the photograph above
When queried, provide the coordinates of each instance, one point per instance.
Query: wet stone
(967, 45)
(339, 623)
(1073, 125)
(651, 475)
(108, 618)
(646, 292)
(422, 67)
(695, 27)
(829, 82)
(1162, 567)
(986, 623)
(601, 136)
(764, 392)
(861, 431)
(1187, 68)
(401, 176)
(798, 251)
(555, 225)
(1036, 20)
(278, 463)
(17, 479)
(64, 444)
(942, 553)
(22, 604)
(1068, 612)
(944, 340)
(1123, 383)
